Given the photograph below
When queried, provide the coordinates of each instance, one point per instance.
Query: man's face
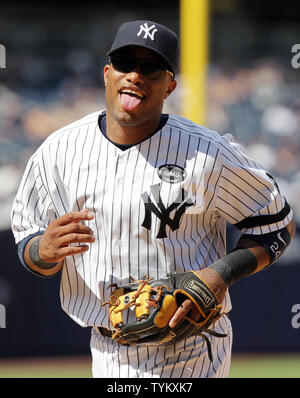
(133, 99)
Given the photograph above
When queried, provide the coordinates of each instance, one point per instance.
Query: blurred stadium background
(54, 61)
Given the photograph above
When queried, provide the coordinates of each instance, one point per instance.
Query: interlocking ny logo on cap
(149, 32)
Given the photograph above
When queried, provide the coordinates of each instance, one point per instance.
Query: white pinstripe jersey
(148, 221)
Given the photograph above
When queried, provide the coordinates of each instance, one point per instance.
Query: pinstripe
(236, 198)
(80, 282)
(229, 204)
(46, 179)
(89, 293)
(185, 239)
(65, 209)
(112, 216)
(205, 133)
(15, 209)
(130, 209)
(236, 186)
(121, 213)
(66, 287)
(246, 181)
(156, 154)
(104, 236)
(139, 209)
(166, 157)
(229, 216)
(163, 241)
(189, 219)
(96, 232)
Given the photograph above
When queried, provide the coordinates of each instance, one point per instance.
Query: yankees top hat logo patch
(148, 31)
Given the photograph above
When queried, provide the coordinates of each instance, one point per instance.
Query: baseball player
(130, 191)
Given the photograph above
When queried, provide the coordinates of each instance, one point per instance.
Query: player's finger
(75, 216)
(75, 238)
(72, 228)
(64, 252)
(182, 311)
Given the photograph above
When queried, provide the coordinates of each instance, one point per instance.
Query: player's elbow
(291, 227)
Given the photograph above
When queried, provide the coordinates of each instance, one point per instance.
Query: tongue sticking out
(129, 102)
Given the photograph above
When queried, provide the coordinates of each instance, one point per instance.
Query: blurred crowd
(258, 104)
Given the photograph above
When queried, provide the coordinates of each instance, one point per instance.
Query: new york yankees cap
(151, 35)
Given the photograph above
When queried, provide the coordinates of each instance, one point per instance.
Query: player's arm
(44, 253)
(249, 257)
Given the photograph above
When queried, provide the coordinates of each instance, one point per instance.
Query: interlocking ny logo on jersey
(149, 32)
(162, 212)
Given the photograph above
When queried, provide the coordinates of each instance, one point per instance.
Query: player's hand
(188, 308)
(61, 233)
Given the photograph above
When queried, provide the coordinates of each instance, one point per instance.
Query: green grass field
(46, 368)
(265, 366)
(254, 366)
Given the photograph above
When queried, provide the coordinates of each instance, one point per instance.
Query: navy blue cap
(151, 35)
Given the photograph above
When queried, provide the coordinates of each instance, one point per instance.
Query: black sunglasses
(148, 67)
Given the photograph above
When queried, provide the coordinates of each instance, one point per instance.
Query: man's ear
(171, 88)
(105, 72)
